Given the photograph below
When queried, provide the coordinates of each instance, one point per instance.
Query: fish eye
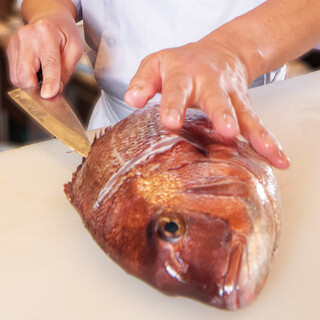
(170, 228)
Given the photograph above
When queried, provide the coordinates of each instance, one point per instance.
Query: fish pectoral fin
(231, 281)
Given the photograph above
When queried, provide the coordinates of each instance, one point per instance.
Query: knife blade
(55, 115)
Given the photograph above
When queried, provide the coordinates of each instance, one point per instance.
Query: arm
(49, 39)
(215, 72)
(34, 10)
(276, 32)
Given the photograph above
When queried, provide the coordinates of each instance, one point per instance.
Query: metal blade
(55, 115)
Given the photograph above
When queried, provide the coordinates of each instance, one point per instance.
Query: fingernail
(131, 94)
(229, 127)
(231, 123)
(283, 160)
(173, 115)
(274, 151)
(46, 91)
(267, 140)
(134, 91)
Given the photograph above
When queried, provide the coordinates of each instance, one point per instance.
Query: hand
(53, 43)
(209, 75)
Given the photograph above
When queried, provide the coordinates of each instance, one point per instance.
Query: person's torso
(123, 32)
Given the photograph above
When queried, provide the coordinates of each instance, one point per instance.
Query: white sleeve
(77, 4)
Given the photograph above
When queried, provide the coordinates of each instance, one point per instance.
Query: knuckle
(50, 81)
(148, 59)
(209, 97)
(251, 120)
(73, 49)
(23, 33)
(14, 81)
(139, 79)
(43, 25)
(74, 52)
(22, 37)
(23, 75)
(79, 53)
(174, 96)
(175, 89)
(49, 62)
(178, 79)
(139, 83)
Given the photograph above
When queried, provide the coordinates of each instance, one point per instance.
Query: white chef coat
(120, 33)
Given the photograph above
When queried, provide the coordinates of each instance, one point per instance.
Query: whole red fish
(186, 212)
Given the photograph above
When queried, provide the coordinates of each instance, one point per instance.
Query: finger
(24, 67)
(175, 96)
(260, 138)
(70, 56)
(220, 111)
(145, 83)
(12, 55)
(51, 71)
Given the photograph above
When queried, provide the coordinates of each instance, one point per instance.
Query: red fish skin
(221, 194)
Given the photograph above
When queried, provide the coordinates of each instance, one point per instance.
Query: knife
(55, 115)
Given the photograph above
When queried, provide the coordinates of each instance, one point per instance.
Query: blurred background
(17, 129)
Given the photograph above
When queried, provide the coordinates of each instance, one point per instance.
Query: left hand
(209, 75)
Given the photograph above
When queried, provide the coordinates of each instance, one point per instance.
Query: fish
(189, 212)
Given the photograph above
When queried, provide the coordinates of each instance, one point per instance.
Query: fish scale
(188, 212)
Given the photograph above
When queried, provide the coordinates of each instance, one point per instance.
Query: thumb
(145, 83)
(51, 72)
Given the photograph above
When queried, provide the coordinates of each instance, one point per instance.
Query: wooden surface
(50, 268)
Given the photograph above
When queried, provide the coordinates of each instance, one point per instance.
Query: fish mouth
(236, 277)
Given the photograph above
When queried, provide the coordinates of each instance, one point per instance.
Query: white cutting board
(50, 268)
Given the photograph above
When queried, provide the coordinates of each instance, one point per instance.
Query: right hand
(209, 74)
(52, 43)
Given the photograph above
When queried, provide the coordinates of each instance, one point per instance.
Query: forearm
(34, 10)
(273, 33)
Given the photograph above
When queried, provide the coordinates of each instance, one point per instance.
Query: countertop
(50, 268)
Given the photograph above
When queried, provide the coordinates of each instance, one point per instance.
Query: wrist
(52, 15)
(34, 10)
(244, 47)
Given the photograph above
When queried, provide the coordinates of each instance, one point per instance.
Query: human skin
(212, 74)
(51, 39)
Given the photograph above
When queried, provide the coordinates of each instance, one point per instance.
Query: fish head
(189, 234)
(190, 214)
(193, 254)
(197, 254)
